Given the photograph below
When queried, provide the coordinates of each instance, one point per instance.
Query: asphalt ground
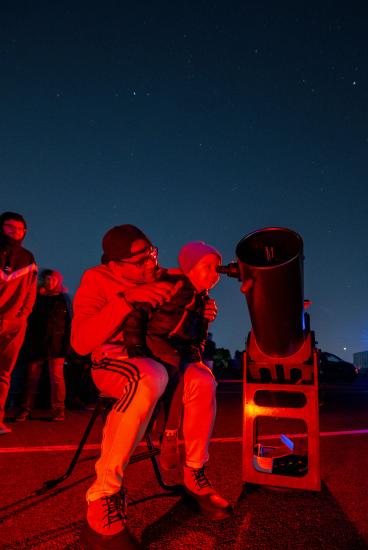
(266, 518)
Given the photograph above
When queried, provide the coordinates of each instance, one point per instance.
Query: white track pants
(137, 384)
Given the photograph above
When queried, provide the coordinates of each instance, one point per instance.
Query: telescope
(270, 267)
(280, 361)
(231, 270)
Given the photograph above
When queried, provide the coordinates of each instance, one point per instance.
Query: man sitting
(129, 276)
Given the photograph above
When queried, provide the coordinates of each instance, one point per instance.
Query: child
(175, 333)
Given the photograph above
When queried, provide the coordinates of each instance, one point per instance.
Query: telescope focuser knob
(231, 270)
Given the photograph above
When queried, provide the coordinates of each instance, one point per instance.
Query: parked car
(335, 369)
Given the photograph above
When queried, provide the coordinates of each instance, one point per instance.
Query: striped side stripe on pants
(129, 371)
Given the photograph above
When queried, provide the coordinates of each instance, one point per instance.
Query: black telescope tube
(271, 270)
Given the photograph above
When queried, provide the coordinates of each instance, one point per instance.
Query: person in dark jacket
(47, 339)
(175, 333)
(18, 284)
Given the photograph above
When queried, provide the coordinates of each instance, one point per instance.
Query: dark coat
(173, 332)
(48, 331)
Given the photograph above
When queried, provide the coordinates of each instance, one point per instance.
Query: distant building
(360, 359)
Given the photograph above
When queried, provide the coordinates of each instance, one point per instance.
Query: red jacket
(99, 312)
(99, 309)
(18, 285)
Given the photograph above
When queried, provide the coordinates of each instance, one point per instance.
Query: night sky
(194, 120)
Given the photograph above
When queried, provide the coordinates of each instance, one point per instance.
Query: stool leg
(49, 484)
(151, 453)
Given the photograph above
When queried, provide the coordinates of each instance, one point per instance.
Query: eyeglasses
(152, 253)
(18, 227)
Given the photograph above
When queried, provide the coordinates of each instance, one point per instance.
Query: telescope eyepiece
(231, 270)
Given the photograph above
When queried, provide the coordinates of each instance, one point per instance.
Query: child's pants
(138, 383)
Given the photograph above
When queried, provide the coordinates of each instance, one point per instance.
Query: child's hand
(210, 310)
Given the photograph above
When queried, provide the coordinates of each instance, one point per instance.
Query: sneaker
(58, 415)
(199, 487)
(4, 429)
(22, 415)
(108, 515)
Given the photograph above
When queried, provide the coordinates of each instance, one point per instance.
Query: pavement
(265, 518)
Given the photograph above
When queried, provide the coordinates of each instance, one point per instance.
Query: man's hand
(155, 294)
(210, 310)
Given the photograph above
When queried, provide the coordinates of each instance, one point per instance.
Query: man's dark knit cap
(117, 242)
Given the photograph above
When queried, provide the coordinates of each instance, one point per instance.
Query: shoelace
(115, 508)
(200, 478)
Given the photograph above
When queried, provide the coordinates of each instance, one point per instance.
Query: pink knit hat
(191, 253)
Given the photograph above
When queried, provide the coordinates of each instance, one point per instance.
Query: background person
(47, 340)
(18, 284)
